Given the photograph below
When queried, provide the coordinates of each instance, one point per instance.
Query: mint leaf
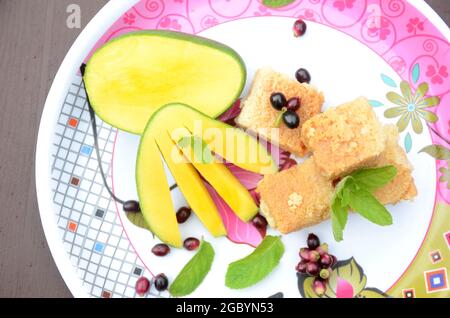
(256, 266)
(194, 272)
(364, 203)
(345, 197)
(277, 3)
(343, 188)
(339, 208)
(354, 191)
(339, 215)
(371, 179)
(338, 201)
(202, 152)
(341, 185)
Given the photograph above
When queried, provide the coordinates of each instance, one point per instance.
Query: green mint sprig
(194, 272)
(355, 192)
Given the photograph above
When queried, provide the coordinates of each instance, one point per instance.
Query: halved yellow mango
(132, 76)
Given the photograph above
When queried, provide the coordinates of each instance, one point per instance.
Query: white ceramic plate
(351, 49)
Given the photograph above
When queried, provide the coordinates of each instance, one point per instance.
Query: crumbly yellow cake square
(344, 138)
(295, 198)
(402, 187)
(259, 116)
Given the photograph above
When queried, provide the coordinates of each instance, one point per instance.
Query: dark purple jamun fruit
(161, 282)
(278, 101)
(142, 286)
(291, 119)
(293, 104)
(322, 249)
(301, 267)
(313, 241)
(131, 206)
(326, 261)
(161, 249)
(303, 76)
(334, 260)
(299, 28)
(191, 243)
(304, 254)
(259, 222)
(313, 256)
(312, 269)
(183, 214)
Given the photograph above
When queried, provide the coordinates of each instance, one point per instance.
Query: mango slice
(154, 195)
(132, 76)
(191, 185)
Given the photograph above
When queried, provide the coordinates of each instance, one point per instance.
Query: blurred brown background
(30, 54)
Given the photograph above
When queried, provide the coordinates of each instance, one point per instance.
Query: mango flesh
(230, 143)
(156, 202)
(132, 76)
(165, 128)
(226, 185)
(191, 185)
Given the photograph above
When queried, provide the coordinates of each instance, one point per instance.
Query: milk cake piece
(344, 138)
(295, 198)
(402, 187)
